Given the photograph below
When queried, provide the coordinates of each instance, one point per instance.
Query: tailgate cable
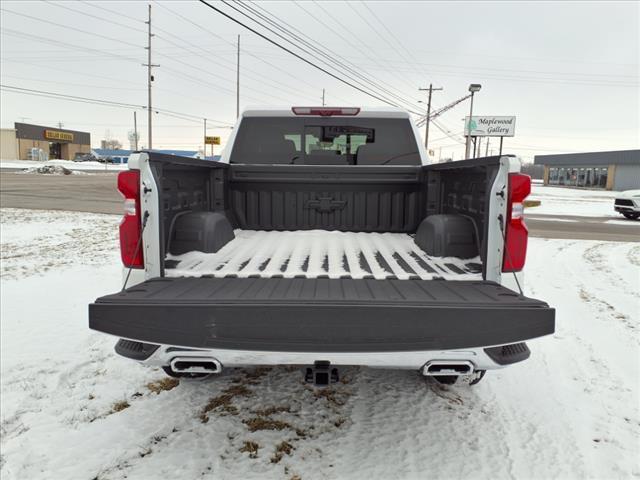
(135, 252)
(506, 251)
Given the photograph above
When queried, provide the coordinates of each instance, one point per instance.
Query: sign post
(211, 141)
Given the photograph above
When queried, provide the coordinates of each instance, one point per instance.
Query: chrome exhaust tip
(447, 367)
(195, 365)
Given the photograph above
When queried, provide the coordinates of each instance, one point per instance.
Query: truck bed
(319, 253)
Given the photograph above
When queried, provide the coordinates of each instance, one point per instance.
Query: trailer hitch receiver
(321, 374)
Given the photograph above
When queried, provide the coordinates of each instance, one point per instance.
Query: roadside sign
(212, 140)
(490, 126)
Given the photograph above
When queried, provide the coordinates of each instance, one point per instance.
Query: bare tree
(110, 143)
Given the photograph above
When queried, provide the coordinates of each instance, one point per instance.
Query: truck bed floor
(320, 253)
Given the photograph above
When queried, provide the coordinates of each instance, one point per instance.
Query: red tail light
(516, 232)
(326, 111)
(131, 224)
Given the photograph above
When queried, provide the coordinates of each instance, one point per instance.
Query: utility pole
(204, 140)
(426, 129)
(238, 81)
(323, 97)
(149, 66)
(135, 130)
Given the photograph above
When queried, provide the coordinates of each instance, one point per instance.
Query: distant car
(628, 204)
(84, 157)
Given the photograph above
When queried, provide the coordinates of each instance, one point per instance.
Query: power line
(370, 94)
(332, 56)
(348, 72)
(209, 32)
(98, 101)
(113, 22)
(340, 35)
(54, 24)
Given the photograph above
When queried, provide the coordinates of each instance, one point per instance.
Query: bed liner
(321, 253)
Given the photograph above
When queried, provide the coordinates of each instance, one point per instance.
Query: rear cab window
(325, 141)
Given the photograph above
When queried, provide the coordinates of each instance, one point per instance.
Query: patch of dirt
(255, 424)
(163, 385)
(283, 448)
(223, 402)
(265, 412)
(251, 448)
(252, 376)
(333, 396)
(119, 406)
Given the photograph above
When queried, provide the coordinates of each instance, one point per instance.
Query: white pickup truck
(323, 237)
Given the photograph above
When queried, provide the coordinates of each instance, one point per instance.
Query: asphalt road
(97, 193)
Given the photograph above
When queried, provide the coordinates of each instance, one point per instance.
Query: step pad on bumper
(508, 354)
(135, 350)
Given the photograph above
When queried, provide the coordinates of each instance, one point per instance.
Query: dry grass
(283, 448)
(260, 423)
(163, 385)
(251, 448)
(119, 406)
(223, 402)
(265, 412)
(332, 396)
(252, 376)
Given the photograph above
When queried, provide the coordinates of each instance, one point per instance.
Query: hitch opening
(321, 374)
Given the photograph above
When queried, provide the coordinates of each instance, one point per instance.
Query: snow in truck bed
(318, 253)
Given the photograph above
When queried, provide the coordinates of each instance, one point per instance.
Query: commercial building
(8, 145)
(58, 143)
(615, 170)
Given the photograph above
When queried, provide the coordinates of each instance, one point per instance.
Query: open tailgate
(321, 315)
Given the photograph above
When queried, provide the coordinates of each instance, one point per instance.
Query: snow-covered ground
(572, 201)
(72, 409)
(68, 164)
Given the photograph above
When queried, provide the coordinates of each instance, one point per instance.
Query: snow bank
(68, 164)
(572, 201)
(72, 409)
(52, 170)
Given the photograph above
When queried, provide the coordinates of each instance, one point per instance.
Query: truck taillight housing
(131, 224)
(516, 233)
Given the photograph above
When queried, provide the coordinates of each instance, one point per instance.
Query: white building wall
(8, 144)
(626, 177)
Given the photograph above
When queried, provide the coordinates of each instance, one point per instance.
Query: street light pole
(473, 88)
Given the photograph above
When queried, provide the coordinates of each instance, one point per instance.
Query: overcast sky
(568, 71)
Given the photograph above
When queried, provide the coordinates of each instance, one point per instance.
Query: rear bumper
(625, 209)
(481, 358)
